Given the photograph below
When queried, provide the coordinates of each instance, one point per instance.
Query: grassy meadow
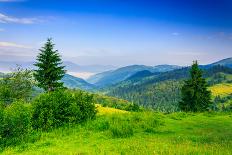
(222, 89)
(120, 132)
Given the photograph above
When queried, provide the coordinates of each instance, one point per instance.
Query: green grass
(137, 133)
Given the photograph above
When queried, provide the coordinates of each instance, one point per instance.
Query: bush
(17, 85)
(1, 120)
(54, 109)
(133, 107)
(86, 104)
(15, 123)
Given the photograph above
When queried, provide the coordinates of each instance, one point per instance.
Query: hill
(72, 82)
(7, 66)
(75, 82)
(141, 74)
(121, 74)
(162, 91)
(113, 77)
(225, 62)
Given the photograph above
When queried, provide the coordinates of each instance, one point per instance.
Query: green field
(136, 133)
(223, 89)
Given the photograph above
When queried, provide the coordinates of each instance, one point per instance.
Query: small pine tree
(195, 95)
(49, 68)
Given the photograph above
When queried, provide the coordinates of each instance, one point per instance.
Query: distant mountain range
(225, 62)
(132, 72)
(118, 75)
(111, 76)
(6, 66)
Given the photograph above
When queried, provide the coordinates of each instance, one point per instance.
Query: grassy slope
(180, 134)
(222, 89)
(108, 110)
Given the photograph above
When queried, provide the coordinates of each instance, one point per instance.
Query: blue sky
(118, 32)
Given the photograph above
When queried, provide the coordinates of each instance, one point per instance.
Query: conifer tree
(49, 70)
(195, 95)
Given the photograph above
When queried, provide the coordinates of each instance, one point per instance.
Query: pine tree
(195, 95)
(49, 68)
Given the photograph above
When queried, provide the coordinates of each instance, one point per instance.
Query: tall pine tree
(49, 70)
(195, 95)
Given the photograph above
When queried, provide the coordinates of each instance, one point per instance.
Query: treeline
(163, 96)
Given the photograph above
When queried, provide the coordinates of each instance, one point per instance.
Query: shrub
(15, 122)
(1, 120)
(133, 107)
(57, 108)
(17, 85)
(86, 104)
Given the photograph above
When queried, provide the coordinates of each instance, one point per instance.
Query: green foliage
(86, 103)
(195, 96)
(1, 120)
(50, 71)
(163, 96)
(133, 107)
(16, 86)
(57, 108)
(15, 123)
(223, 103)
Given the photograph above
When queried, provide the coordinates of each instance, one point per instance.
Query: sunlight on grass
(221, 89)
(137, 133)
(107, 110)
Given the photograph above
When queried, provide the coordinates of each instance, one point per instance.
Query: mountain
(140, 74)
(70, 66)
(75, 82)
(225, 62)
(115, 76)
(165, 68)
(162, 90)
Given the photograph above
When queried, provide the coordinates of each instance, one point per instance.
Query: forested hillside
(77, 83)
(162, 91)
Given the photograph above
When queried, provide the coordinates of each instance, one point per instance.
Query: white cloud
(175, 33)
(14, 45)
(9, 19)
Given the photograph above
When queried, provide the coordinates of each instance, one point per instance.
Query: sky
(118, 32)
